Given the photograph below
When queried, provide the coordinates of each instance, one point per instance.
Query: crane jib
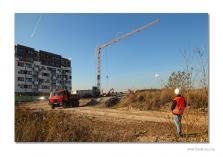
(116, 40)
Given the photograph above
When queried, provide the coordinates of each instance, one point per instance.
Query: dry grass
(198, 98)
(48, 126)
(59, 126)
(161, 99)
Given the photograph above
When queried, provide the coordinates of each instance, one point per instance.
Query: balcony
(36, 69)
(37, 63)
(35, 90)
(66, 68)
(28, 67)
(57, 84)
(68, 73)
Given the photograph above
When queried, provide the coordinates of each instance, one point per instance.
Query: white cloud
(156, 75)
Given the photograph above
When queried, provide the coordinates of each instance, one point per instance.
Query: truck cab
(63, 98)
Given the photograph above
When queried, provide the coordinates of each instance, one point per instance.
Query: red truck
(63, 98)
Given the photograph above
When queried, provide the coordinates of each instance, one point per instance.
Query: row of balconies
(37, 63)
(45, 82)
(36, 80)
(39, 89)
(40, 74)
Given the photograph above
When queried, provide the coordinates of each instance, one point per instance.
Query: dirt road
(122, 113)
(107, 112)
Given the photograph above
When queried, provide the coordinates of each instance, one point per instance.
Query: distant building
(84, 93)
(38, 72)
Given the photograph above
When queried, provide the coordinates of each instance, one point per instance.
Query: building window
(21, 64)
(25, 72)
(29, 72)
(47, 81)
(21, 86)
(20, 78)
(49, 68)
(29, 79)
(45, 74)
(28, 65)
(45, 87)
(25, 86)
(21, 71)
(35, 56)
(41, 80)
(59, 76)
(28, 86)
(43, 68)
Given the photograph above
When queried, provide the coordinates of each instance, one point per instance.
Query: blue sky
(130, 63)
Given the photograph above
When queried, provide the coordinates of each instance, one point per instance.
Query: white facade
(34, 77)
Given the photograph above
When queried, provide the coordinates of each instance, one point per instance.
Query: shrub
(198, 98)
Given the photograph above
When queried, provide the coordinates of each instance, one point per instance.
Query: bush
(198, 98)
(166, 96)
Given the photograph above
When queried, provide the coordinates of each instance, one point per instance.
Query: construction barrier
(26, 98)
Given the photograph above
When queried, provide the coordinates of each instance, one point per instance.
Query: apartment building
(40, 71)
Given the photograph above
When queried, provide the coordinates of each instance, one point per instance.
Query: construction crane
(114, 41)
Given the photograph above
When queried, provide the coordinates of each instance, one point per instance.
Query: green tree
(179, 79)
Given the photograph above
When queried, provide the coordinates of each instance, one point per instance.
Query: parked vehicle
(63, 98)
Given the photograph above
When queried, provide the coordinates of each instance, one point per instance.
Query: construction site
(48, 110)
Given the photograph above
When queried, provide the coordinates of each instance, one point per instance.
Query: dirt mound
(111, 102)
(92, 102)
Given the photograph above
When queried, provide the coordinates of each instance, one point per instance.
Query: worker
(177, 107)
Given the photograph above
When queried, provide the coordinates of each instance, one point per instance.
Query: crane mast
(114, 41)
